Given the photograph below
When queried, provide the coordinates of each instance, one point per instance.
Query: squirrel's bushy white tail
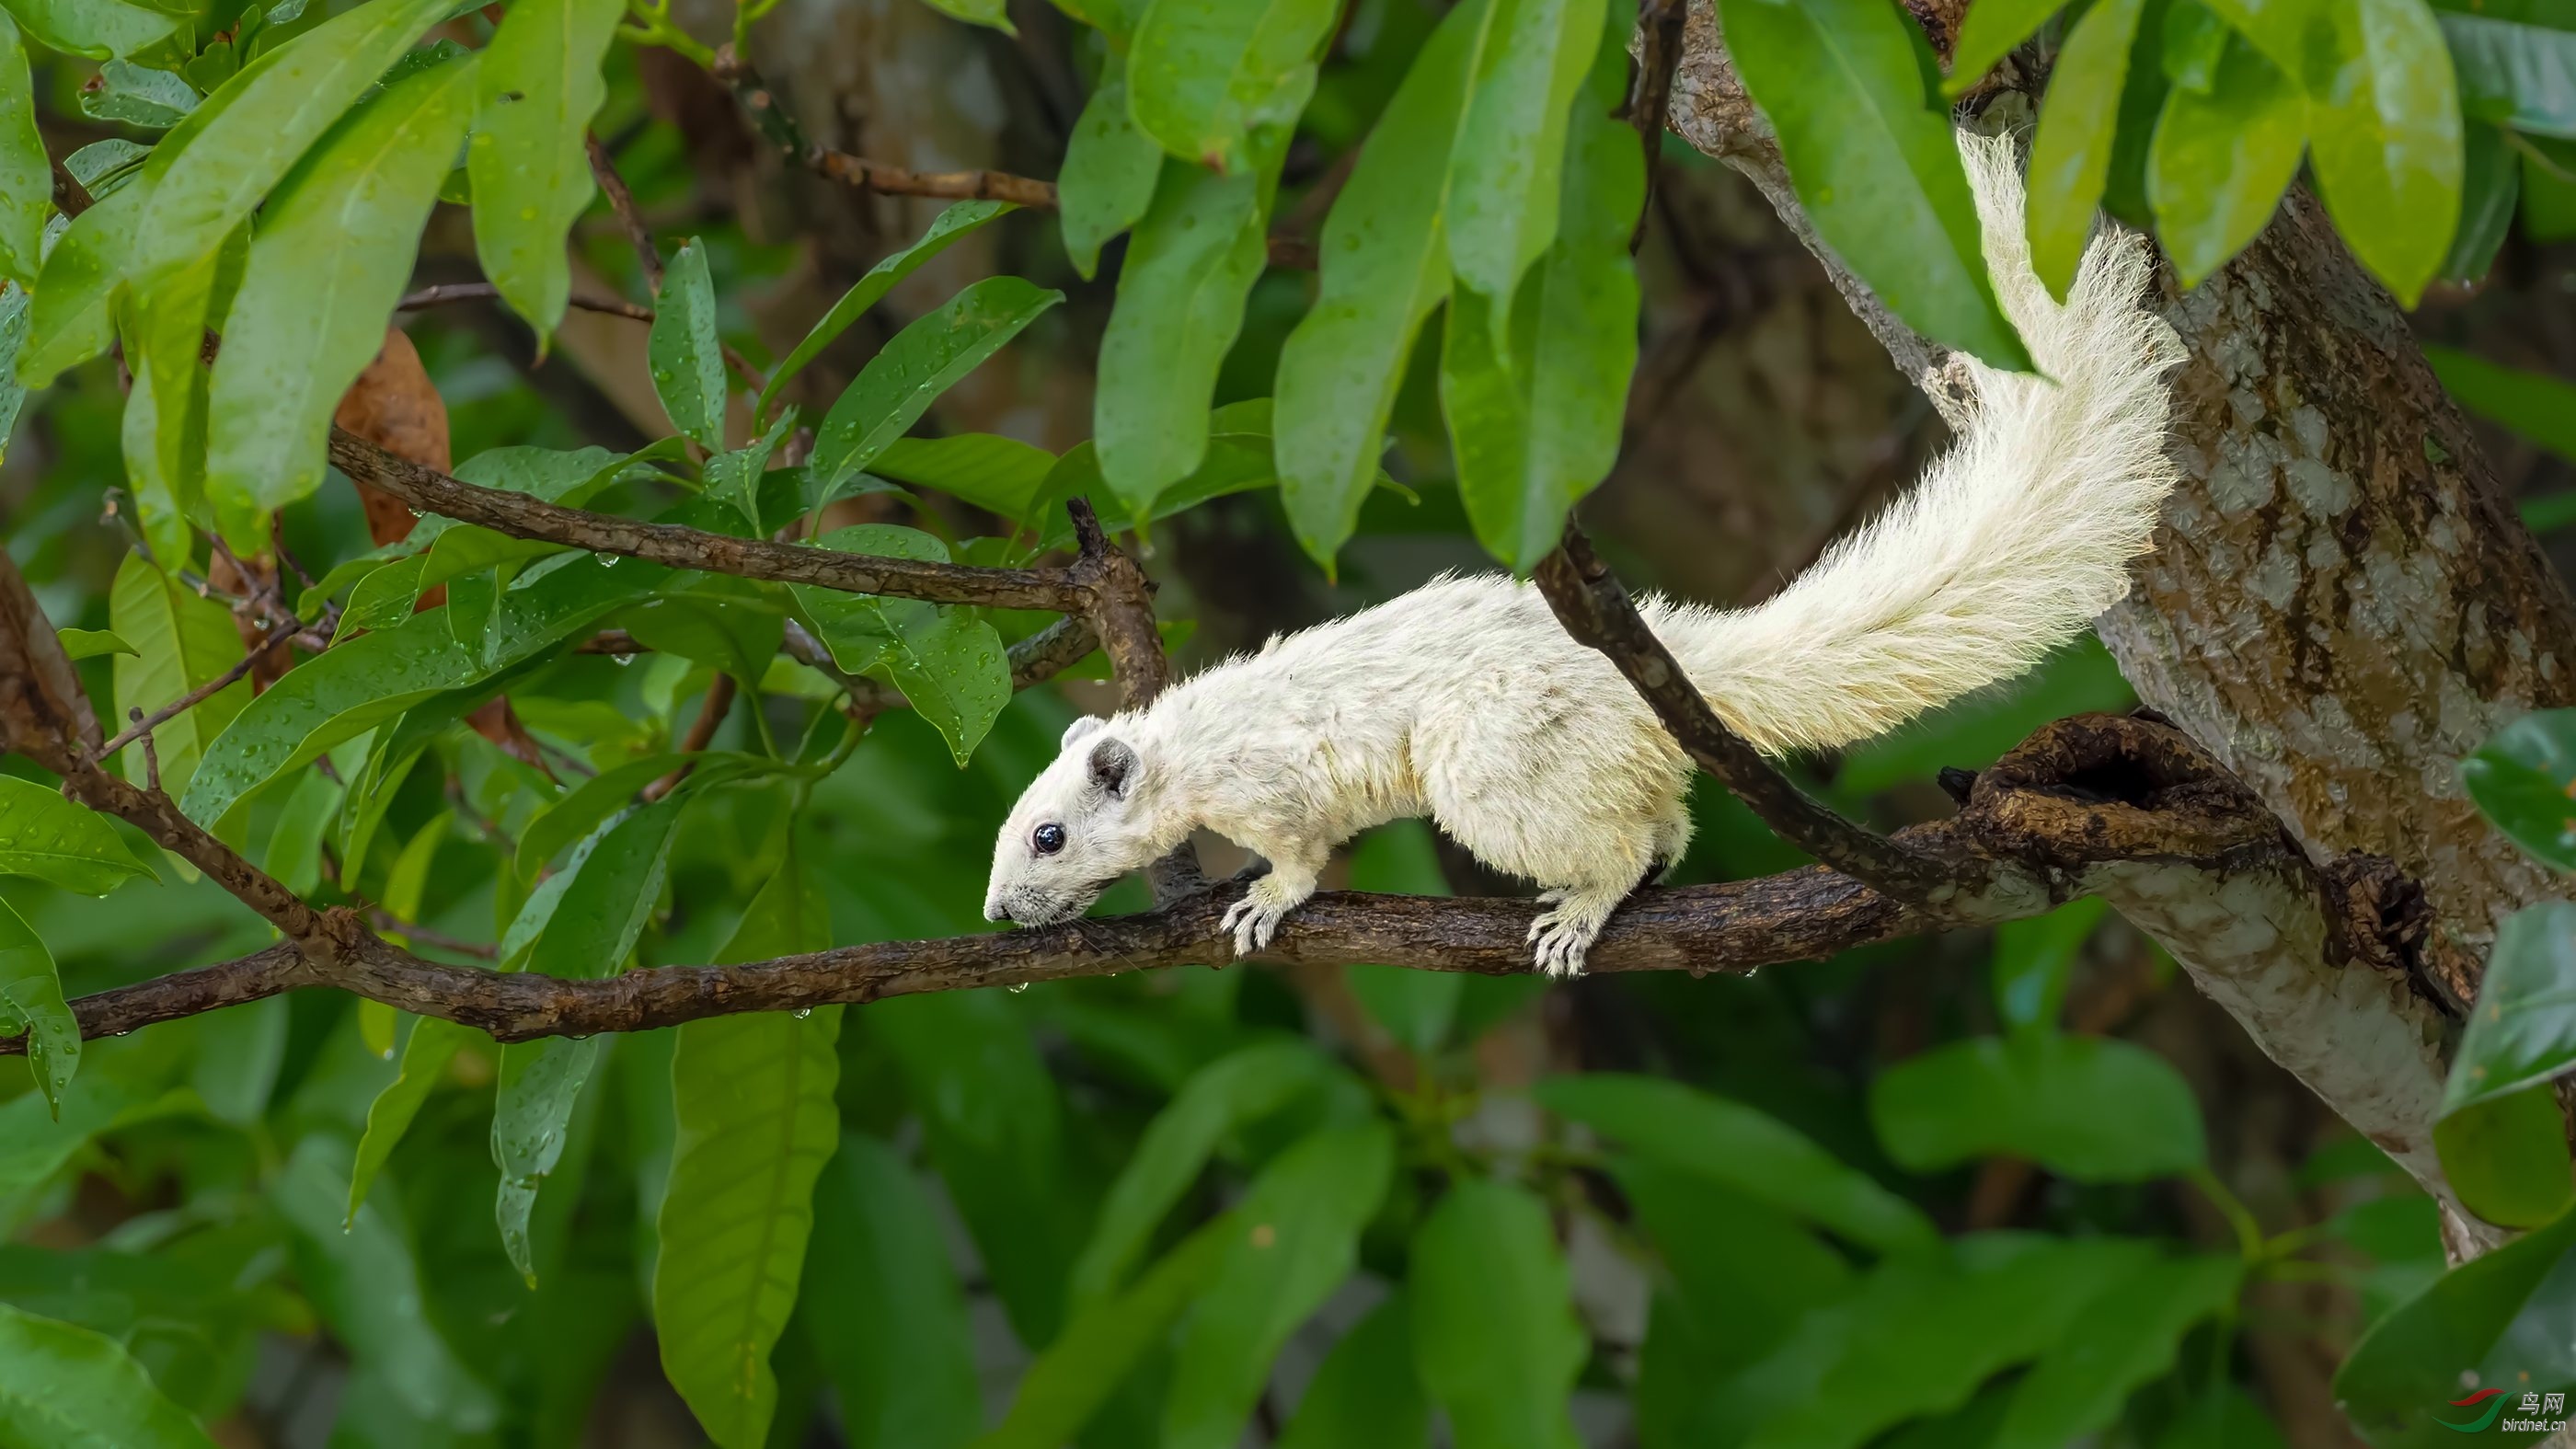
(2010, 543)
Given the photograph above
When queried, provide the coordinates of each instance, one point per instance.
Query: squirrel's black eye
(1047, 839)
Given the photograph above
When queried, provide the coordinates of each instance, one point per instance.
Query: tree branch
(521, 516)
(622, 202)
(1596, 610)
(780, 130)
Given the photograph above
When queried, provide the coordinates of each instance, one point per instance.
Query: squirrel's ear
(1081, 729)
(1113, 767)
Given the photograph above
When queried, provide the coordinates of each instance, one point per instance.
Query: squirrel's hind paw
(1565, 934)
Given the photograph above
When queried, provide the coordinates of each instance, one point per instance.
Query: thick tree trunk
(2341, 605)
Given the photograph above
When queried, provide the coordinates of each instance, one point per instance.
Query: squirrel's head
(1077, 829)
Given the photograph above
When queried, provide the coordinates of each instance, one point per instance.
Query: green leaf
(735, 476)
(1690, 1131)
(2494, 1322)
(588, 928)
(1071, 1380)
(181, 642)
(1181, 293)
(2534, 406)
(2522, 1032)
(211, 170)
(64, 1387)
(2522, 779)
(432, 1044)
(1296, 1238)
(1109, 171)
(688, 362)
(1223, 1097)
(1847, 84)
(332, 256)
(1922, 1334)
(578, 811)
(1993, 28)
(538, 87)
(2222, 158)
(997, 474)
(2033, 959)
(2122, 1340)
(94, 28)
(1366, 1395)
(1507, 172)
(363, 1277)
(72, 320)
(2079, 123)
(37, 1138)
(1535, 392)
(1385, 265)
(26, 176)
(49, 838)
(384, 598)
(2386, 145)
(2088, 1108)
(1494, 1333)
(165, 333)
(31, 990)
(295, 841)
(992, 1117)
(2490, 190)
(91, 643)
(1203, 76)
(2506, 1157)
(910, 372)
(870, 289)
(155, 100)
(2511, 71)
(753, 1096)
(884, 1308)
(326, 699)
(994, 14)
(950, 664)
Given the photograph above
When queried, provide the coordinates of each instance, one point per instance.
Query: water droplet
(802, 1012)
(623, 658)
(1015, 989)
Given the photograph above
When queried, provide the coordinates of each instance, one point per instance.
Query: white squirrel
(1466, 701)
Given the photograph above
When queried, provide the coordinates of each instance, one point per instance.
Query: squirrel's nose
(994, 912)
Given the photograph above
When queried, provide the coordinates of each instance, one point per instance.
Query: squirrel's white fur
(1467, 702)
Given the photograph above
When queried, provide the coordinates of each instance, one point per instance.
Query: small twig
(1596, 611)
(449, 294)
(781, 131)
(1122, 612)
(286, 556)
(70, 197)
(151, 755)
(622, 201)
(1659, 34)
(385, 920)
(702, 732)
(143, 725)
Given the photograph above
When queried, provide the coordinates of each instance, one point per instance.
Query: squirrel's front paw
(1255, 918)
